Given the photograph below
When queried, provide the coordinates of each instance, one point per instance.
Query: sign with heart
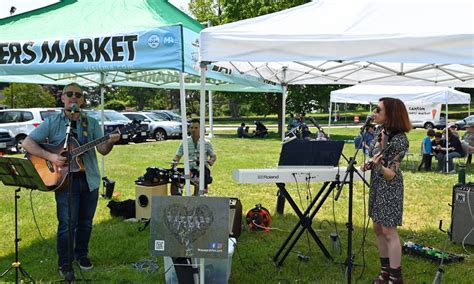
(190, 226)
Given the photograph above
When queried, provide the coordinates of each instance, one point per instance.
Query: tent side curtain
(367, 94)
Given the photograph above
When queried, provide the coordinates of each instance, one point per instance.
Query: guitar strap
(84, 135)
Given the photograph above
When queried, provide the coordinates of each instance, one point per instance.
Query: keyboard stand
(305, 221)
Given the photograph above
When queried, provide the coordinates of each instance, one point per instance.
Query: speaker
(143, 197)
(462, 222)
(235, 217)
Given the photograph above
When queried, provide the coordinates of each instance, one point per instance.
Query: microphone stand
(69, 277)
(350, 173)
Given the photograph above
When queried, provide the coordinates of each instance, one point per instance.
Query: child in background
(426, 150)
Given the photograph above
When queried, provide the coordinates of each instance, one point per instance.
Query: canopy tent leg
(102, 119)
(202, 121)
(283, 104)
(184, 132)
(329, 120)
(211, 116)
(447, 138)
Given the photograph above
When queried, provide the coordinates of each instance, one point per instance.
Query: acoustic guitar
(55, 177)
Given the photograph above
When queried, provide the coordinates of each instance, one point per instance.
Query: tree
(226, 11)
(27, 96)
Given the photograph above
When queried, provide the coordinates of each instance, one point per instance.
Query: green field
(116, 244)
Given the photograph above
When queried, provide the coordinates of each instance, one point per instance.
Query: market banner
(423, 111)
(159, 48)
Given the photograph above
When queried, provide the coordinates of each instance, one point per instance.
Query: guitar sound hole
(50, 166)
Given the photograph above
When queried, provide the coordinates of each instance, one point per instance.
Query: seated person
(246, 132)
(435, 143)
(320, 135)
(455, 150)
(261, 130)
(292, 122)
(305, 133)
(241, 130)
(368, 137)
(193, 151)
(468, 141)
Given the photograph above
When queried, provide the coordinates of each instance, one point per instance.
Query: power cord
(36, 222)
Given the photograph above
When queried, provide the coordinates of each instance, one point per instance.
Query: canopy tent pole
(283, 105)
(329, 121)
(202, 121)
(102, 119)
(447, 138)
(211, 118)
(184, 131)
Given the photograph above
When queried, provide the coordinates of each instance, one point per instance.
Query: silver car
(21, 121)
(160, 129)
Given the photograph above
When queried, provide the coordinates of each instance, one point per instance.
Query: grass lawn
(116, 244)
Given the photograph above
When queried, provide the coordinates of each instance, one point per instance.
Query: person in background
(436, 144)
(247, 132)
(368, 137)
(455, 150)
(426, 150)
(193, 150)
(292, 122)
(241, 131)
(386, 185)
(468, 141)
(85, 184)
(301, 118)
(305, 133)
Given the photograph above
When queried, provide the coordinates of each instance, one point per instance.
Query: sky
(27, 5)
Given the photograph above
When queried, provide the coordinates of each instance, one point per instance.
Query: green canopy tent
(143, 43)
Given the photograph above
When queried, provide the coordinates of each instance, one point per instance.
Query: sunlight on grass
(115, 244)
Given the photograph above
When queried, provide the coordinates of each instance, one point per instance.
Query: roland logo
(268, 176)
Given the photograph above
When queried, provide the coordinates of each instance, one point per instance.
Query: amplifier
(462, 220)
(235, 217)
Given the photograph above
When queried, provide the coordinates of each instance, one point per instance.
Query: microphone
(74, 108)
(367, 123)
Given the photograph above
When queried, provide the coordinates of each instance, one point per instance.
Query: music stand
(21, 173)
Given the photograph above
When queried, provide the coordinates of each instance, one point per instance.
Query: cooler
(217, 270)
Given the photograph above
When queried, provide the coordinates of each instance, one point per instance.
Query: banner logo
(154, 41)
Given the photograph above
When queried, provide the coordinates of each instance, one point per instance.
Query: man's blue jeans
(84, 203)
(442, 161)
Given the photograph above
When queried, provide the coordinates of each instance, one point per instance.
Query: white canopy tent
(394, 42)
(370, 94)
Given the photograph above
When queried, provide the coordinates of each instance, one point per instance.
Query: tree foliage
(27, 96)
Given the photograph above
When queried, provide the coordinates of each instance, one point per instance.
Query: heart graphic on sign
(188, 224)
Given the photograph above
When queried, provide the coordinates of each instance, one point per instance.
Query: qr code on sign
(159, 245)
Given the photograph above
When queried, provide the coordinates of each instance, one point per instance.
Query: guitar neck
(86, 147)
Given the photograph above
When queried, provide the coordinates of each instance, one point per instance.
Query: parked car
(430, 124)
(22, 121)
(7, 141)
(112, 121)
(168, 115)
(461, 124)
(160, 129)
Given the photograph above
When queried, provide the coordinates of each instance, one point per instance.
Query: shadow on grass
(115, 245)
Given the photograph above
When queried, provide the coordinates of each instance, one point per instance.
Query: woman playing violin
(386, 185)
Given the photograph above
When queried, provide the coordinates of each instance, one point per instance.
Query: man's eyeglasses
(70, 94)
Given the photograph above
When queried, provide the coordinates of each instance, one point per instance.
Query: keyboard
(292, 174)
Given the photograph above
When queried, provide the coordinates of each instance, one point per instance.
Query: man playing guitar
(85, 179)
